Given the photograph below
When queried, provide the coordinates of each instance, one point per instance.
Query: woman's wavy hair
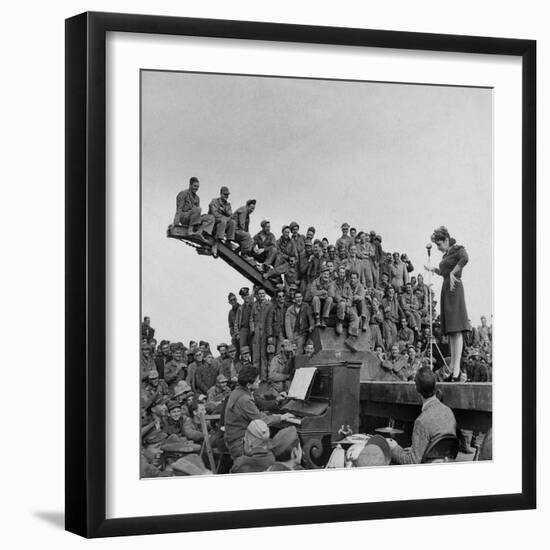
(440, 234)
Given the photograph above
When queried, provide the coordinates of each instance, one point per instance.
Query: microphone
(429, 248)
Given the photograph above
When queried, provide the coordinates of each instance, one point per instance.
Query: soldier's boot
(214, 249)
(317, 320)
(464, 440)
(364, 324)
(339, 327)
(323, 323)
(350, 343)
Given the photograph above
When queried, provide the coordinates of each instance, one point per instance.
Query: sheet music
(301, 382)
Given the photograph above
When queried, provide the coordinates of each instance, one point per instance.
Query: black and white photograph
(316, 274)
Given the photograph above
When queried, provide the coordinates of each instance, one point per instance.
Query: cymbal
(390, 430)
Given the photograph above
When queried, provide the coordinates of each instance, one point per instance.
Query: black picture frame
(86, 283)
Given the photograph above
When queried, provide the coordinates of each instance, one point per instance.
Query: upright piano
(324, 398)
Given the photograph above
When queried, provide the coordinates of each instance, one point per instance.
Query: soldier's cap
(344, 225)
(190, 465)
(292, 225)
(309, 343)
(153, 374)
(283, 440)
(410, 346)
(311, 229)
(263, 223)
(223, 190)
(331, 247)
(222, 345)
(203, 343)
(293, 285)
(372, 233)
(231, 295)
(308, 242)
(221, 378)
(154, 436)
(181, 387)
(258, 429)
(285, 227)
(324, 268)
(245, 291)
(159, 400)
(245, 349)
(231, 348)
(172, 404)
(376, 452)
(378, 238)
(250, 201)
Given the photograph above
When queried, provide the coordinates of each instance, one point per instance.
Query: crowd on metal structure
(352, 285)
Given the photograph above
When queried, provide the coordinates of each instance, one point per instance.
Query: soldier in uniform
(405, 336)
(299, 240)
(220, 208)
(258, 316)
(206, 373)
(198, 361)
(343, 296)
(151, 453)
(398, 272)
(147, 363)
(322, 297)
(286, 248)
(241, 216)
(411, 307)
(299, 322)
(358, 299)
(188, 211)
(226, 364)
(395, 362)
(275, 321)
(147, 331)
(176, 369)
(345, 240)
(375, 322)
(155, 387)
(242, 318)
(315, 263)
(279, 368)
(217, 395)
(163, 357)
(353, 263)
(265, 245)
(392, 314)
(231, 317)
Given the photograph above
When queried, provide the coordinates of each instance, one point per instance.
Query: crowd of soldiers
(351, 285)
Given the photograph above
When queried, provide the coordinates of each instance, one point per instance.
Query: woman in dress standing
(454, 317)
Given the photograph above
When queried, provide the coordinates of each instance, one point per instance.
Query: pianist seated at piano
(241, 409)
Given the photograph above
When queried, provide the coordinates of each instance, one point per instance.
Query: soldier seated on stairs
(188, 211)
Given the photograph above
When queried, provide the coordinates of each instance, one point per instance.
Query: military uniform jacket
(275, 321)
(265, 240)
(231, 316)
(322, 289)
(298, 322)
(186, 200)
(342, 292)
(205, 377)
(258, 317)
(220, 208)
(344, 241)
(242, 218)
(287, 248)
(392, 309)
(358, 291)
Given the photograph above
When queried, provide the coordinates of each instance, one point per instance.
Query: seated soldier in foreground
(287, 450)
(257, 457)
(435, 419)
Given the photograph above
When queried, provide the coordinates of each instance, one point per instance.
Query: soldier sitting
(188, 211)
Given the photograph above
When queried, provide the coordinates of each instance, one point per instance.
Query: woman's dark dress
(454, 317)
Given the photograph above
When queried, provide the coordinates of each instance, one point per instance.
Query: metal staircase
(203, 246)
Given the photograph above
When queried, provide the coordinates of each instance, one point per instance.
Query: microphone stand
(429, 249)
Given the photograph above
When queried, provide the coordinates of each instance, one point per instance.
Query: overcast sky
(400, 159)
